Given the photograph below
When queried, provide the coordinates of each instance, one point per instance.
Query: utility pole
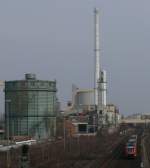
(7, 111)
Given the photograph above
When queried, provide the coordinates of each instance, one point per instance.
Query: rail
(116, 153)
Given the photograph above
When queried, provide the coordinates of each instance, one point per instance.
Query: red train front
(131, 147)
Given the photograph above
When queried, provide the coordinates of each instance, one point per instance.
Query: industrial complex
(92, 103)
(89, 132)
(32, 107)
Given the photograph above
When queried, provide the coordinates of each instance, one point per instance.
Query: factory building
(112, 116)
(93, 102)
(30, 107)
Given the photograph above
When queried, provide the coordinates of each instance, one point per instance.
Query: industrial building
(30, 107)
(112, 115)
(92, 103)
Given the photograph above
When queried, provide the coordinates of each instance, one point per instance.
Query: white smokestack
(97, 55)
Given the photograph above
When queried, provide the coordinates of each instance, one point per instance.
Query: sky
(55, 40)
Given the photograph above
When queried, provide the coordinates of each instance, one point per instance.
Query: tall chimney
(97, 55)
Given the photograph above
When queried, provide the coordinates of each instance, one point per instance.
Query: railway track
(113, 151)
(116, 160)
(94, 152)
(116, 153)
(110, 159)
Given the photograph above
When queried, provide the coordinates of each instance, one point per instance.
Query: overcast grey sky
(54, 39)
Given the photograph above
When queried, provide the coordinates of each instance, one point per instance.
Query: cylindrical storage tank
(30, 107)
(84, 98)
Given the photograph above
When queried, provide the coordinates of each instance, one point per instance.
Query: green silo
(30, 107)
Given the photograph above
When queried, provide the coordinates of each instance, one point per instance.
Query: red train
(131, 147)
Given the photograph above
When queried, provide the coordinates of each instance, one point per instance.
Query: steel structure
(103, 88)
(32, 107)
